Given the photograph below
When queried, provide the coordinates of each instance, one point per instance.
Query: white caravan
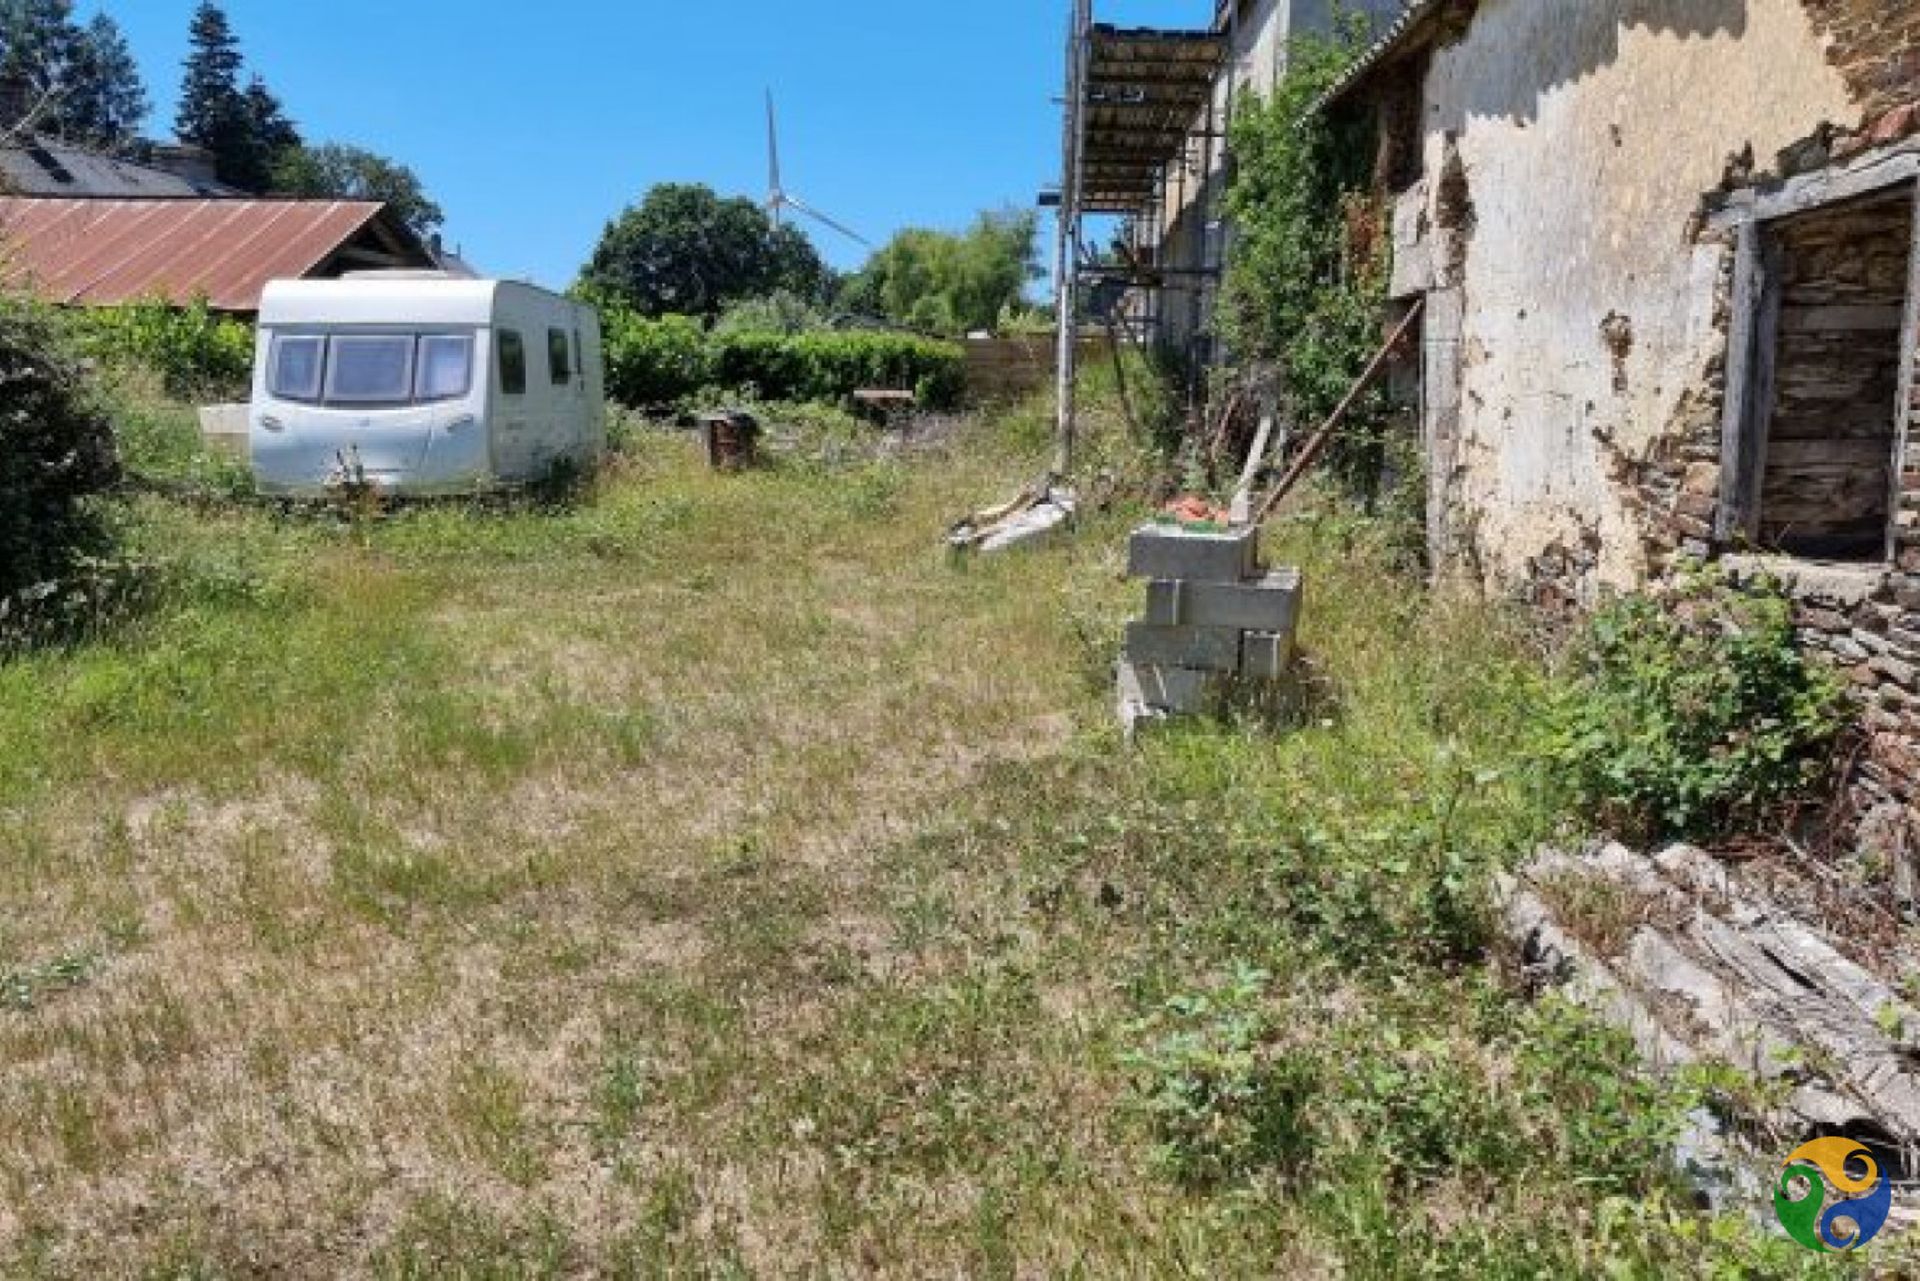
(415, 383)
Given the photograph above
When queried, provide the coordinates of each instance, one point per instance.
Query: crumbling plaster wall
(1566, 151)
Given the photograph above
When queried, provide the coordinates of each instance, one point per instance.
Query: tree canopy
(246, 129)
(685, 250)
(950, 284)
(341, 172)
(83, 79)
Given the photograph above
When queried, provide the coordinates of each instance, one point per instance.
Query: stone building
(1668, 255)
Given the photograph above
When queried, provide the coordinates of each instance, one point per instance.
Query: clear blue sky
(533, 124)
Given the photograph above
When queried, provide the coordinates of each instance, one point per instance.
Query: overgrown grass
(707, 878)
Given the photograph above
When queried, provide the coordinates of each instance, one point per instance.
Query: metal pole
(1067, 244)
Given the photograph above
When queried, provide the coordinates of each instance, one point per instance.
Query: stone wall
(1875, 45)
(1868, 624)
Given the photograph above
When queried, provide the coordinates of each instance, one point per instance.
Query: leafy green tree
(245, 128)
(950, 284)
(339, 172)
(684, 250)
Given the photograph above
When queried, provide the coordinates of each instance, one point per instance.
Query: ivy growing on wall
(1307, 278)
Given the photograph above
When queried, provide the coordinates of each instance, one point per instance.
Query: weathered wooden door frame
(1753, 340)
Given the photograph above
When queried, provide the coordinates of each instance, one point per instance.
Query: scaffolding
(1145, 115)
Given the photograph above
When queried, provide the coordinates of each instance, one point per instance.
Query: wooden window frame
(1753, 335)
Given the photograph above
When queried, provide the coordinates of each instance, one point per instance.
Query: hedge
(657, 362)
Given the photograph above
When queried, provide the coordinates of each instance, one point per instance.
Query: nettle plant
(1692, 711)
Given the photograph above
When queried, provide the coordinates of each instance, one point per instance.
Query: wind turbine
(778, 201)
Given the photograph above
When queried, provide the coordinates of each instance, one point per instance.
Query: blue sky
(533, 124)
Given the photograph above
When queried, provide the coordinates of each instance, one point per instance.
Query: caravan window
(446, 367)
(293, 368)
(374, 369)
(559, 361)
(513, 363)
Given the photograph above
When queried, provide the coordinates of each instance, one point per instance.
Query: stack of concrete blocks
(1213, 613)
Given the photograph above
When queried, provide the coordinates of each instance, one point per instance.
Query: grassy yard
(706, 878)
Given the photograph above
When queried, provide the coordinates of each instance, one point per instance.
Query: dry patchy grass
(709, 879)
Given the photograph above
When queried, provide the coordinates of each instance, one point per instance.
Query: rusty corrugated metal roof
(99, 253)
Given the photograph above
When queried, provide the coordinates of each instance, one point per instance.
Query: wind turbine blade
(817, 216)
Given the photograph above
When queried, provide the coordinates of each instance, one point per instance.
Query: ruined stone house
(1668, 254)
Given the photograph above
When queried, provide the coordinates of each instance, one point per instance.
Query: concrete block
(1271, 604)
(1208, 649)
(1163, 602)
(1168, 551)
(1179, 690)
(1267, 655)
(224, 429)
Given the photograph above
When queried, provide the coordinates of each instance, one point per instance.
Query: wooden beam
(1751, 337)
(1310, 453)
(1903, 399)
(1862, 177)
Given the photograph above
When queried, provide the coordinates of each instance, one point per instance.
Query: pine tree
(105, 100)
(273, 133)
(38, 43)
(213, 109)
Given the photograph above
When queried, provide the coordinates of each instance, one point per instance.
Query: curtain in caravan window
(446, 367)
(293, 367)
(371, 369)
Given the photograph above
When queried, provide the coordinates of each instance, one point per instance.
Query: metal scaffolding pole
(1067, 246)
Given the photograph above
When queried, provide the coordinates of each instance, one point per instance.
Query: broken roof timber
(1145, 89)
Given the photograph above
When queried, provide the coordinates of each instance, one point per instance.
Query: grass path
(419, 872)
(710, 880)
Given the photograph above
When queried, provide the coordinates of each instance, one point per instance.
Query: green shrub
(654, 362)
(1693, 711)
(1306, 284)
(56, 452)
(830, 367)
(782, 312)
(195, 353)
(658, 362)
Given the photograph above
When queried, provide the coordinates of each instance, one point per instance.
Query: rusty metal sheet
(101, 253)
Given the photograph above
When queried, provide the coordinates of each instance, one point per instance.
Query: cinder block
(1168, 551)
(1268, 655)
(1164, 602)
(1179, 690)
(1270, 605)
(1208, 649)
